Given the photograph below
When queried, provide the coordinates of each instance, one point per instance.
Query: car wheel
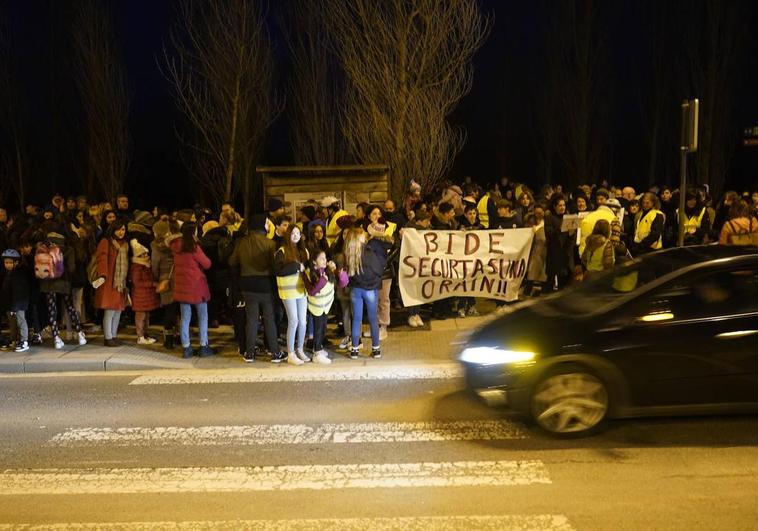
(569, 401)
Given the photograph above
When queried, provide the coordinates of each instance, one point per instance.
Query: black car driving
(674, 332)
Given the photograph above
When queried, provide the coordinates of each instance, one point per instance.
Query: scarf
(122, 267)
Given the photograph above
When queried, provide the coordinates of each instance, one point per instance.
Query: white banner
(436, 264)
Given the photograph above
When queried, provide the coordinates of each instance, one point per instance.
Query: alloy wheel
(567, 403)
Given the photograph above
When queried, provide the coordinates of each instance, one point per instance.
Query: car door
(691, 341)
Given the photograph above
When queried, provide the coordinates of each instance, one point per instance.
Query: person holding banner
(365, 260)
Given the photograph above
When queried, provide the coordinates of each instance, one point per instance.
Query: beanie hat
(274, 204)
(309, 211)
(160, 230)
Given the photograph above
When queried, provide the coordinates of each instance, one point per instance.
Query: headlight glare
(494, 356)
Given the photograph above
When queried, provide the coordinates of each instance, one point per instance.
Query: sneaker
(188, 353)
(367, 333)
(419, 322)
(472, 311)
(292, 359)
(354, 353)
(462, 313)
(36, 339)
(278, 357)
(376, 353)
(344, 343)
(59, 344)
(82, 338)
(302, 356)
(206, 351)
(249, 357)
(322, 358)
(145, 340)
(382, 333)
(22, 346)
(412, 321)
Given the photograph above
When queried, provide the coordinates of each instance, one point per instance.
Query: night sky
(498, 114)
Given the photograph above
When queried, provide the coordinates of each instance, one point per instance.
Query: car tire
(569, 401)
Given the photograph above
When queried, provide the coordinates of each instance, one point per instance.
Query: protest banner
(436, 264)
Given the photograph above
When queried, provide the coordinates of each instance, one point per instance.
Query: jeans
(202, 322)
(296, 319)
(319, 330)
(17, 326)
(110, 323)
(359, 297)
(259, 304)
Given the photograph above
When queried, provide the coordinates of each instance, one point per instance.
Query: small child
(320, 279)
(144, 297)
(15, 299)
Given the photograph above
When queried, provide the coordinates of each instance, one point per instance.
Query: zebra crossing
(119, 480)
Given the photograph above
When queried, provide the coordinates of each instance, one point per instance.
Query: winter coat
(142, 291)
(559, 260)
(190, 284)
(162, 262)
(537, 256)
(106, 296)
(374, 260)
(217, 245)
(593, 262)
(16, 291)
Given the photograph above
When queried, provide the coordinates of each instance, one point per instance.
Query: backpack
(48, 261)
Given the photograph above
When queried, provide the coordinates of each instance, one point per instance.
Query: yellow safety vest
(693, 223)
(484, 214)
(290, 286)
(644, 223)
(332, 229)
(390, 230)
(587, 225)
(595, 261)
(271, 229)
(321, 302)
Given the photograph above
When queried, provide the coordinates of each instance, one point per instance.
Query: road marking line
(310, 374)
(271, 478)
(260, 434)
(547, 522)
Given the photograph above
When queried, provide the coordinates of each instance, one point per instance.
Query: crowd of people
(81, 266)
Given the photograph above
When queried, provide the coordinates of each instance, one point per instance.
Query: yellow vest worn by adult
(271, 229)
(644, 224)
(588, 224)
(484, 214)
(321, 302)
(332, 229)
(290, 286)
(693, 223)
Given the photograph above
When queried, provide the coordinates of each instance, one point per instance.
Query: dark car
(675, 332)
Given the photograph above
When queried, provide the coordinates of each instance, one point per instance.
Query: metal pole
(682, 193)
(683, 148)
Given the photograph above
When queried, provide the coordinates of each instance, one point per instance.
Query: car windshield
(613, 285)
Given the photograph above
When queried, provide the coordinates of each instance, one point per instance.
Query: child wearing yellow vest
(320, 280)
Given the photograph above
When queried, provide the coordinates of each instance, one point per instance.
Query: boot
(168, 339)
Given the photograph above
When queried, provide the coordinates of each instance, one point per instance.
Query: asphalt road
(77, 451)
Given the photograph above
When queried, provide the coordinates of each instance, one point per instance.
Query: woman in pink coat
(112, 258)
(191, 287)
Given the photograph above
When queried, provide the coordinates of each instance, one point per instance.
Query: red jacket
(106, 296)
(144, 297)
(190, 285)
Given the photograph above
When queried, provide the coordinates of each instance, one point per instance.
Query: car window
(719, 293)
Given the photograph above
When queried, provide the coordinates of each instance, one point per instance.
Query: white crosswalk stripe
(333, 373)
(268, 478)
(264, 434)
(546, 522)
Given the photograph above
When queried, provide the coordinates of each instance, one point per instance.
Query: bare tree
(407, 64)
(578, 62)
(14, 160)
(102, 85)
(714, 48)
(314, 88)
(220, 67)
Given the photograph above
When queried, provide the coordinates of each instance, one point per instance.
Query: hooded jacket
(373, 260)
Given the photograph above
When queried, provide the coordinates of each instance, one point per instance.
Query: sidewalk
(434, 343)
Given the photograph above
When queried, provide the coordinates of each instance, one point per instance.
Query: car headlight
(494, 356)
